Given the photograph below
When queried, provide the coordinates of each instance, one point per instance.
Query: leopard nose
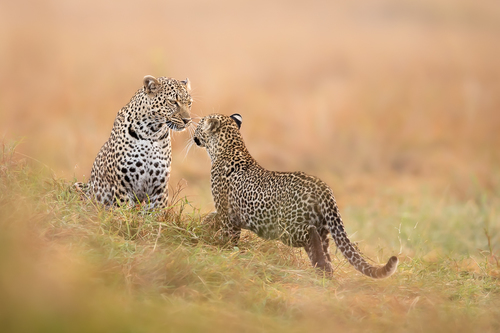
(197, 141)
(186, 120)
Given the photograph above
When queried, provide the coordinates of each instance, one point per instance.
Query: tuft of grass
(69, 265)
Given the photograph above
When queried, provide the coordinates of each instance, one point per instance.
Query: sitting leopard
(294, 207)
(133, 166)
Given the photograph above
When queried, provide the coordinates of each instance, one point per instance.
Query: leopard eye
(172, 101)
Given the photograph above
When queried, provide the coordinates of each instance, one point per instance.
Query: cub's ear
(212, 125)
(151, 84)
(187, 84)
(238, 119)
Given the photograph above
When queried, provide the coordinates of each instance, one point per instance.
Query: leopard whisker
(188, 146)
(195, 116)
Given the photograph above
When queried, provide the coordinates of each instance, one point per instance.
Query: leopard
(133, 166)
(295, 208)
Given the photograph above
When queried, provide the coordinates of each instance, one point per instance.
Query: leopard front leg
(221, 226)
(161, 200)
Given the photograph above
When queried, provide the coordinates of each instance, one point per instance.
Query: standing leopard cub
(133, 166)
(294, 207)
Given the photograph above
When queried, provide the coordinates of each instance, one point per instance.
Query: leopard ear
(212, 125)
(151, 84)
(187, 84)
(238, 119)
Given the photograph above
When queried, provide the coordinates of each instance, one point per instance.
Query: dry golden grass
(395, 104)
(69, 266)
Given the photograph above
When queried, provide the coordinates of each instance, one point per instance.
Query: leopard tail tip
(389, 268)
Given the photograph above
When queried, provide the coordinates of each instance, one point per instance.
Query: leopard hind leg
(315, 250)
(325, 241)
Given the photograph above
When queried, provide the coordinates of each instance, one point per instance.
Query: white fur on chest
(148, 166)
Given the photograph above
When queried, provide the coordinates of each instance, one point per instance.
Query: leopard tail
(353, 255)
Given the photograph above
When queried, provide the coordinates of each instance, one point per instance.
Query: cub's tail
(353, 255)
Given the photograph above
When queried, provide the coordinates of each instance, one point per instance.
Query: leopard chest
(144, 166)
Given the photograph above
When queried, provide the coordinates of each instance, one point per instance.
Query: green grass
(67, 265)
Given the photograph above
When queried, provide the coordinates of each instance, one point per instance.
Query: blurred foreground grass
(68, 266)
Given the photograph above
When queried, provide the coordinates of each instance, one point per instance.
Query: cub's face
(170, 101)
(216, 131)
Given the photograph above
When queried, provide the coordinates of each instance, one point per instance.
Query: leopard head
(216, 132)
(169, 103)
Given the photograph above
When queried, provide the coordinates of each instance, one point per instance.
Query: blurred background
(371, 96)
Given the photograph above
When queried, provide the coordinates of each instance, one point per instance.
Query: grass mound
(68, 265)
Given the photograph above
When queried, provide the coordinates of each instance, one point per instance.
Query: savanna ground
(395, 104)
